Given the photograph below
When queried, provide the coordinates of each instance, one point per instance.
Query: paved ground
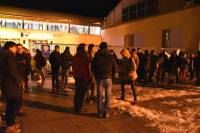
(53, 113)
(48, 113)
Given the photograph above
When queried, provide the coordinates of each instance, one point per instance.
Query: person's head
(57, 48)
(103, 45)
(81, 48)
(20, 49)
(193, 55)
(11, 46)
(38, 52)
(92, 48)
(146, 52)
(125, 53)
(139, 50)
(67, 48)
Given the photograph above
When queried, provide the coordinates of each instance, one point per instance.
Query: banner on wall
(46, 50)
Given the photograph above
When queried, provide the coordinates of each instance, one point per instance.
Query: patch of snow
(182, 113)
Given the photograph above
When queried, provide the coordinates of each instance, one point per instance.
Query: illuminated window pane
(35, 26)
(81, 29)
(26, 24)
(95, 30)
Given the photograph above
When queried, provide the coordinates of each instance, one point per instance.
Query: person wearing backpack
(103, 66)
(129, 73)
(40, 63)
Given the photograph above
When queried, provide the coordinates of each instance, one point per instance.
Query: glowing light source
(41, 36)
(9, 34)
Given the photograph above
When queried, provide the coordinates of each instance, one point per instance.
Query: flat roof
(47, 16)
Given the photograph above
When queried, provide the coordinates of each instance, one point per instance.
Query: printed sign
(46, 50)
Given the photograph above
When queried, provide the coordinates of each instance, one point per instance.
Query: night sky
(91, 8)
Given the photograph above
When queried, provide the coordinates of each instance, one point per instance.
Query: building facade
(34, 29)
(154, 24)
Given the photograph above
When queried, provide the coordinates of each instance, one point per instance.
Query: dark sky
(92, 8)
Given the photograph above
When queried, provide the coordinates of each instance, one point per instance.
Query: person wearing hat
(129, 73)
(12, 87)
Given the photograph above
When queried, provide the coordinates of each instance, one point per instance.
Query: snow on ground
(172, 111)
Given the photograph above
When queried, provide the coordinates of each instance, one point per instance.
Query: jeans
(103, 85)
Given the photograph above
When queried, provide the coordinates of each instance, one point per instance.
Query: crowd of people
(94, 71)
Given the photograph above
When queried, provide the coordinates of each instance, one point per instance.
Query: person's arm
(14, 71)
(114, 65)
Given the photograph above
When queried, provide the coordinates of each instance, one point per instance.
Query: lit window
(81, 29)
(95, 30)
(58, 27)
(11, 23)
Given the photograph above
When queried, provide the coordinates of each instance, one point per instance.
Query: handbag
(133, 75)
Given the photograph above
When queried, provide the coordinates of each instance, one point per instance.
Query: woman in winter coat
(129, 73)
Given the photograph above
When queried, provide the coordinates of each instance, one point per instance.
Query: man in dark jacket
(66, 59)
(55, 61)
(103, 65)
(12, 86)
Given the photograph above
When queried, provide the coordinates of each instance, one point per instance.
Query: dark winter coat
(153, 62)
(81, 66)
(55, 60)
(40, 61)
(24, 65)
(11, 77)
(103, 64)
(173, 64)
(147, 62)
(2, 64)
(66, 59)
(183, 62)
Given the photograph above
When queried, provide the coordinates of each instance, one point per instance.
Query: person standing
(197, 67)
(140, 70)
(173, 68)
(153, 61)
(191, 66)
(103, 65)
(129, 73)
(183, 66)
(92, 90)
(12, 87)
(66, 59)
(40, 63)
(82, 76)
(55, 61)
(24, 64)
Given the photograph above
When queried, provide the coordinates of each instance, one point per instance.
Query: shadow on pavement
(55, 108)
